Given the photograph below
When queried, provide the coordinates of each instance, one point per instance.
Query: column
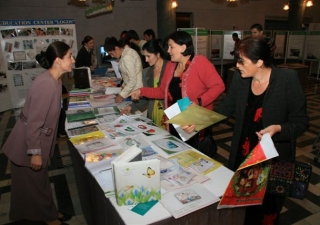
(166, 18)
(296, 14)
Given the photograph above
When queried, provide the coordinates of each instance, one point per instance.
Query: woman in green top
(151, 77)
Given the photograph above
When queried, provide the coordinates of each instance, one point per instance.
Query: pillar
(166, 18)
(296, 14)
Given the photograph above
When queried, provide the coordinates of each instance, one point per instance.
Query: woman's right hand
(135, 94)
(36, 162)
(126, 110)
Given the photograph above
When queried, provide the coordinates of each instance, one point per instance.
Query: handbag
(288, 177)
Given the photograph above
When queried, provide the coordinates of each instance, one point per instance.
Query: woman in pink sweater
(187, 75)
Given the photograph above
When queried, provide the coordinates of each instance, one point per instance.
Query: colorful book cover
(136, 181)
(248, 184)
(171, 145)
(82, 130)
(81, 116)
(197, 161)
(77, 140)
(95, 145)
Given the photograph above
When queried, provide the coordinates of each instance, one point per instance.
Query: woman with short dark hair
(130, 65)
(187, 75)
(264, 99)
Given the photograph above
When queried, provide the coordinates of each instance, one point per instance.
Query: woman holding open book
(151, 77)
(187, 75)
(263, 99)
(32, 141)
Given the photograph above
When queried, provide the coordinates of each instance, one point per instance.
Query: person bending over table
(130, 66)
(151, 77)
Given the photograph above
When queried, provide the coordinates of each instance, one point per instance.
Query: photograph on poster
(39, 31)
(24, 32)
(14, 65)
(66, 31)
(19, 55)
(40, 48)
(53, 31)
(27, 44)
(3, 88)
(10, 33)
(8, 47)
(29, 65)
(18, 80)
(295, 52)
(32, 54)
(16, 44)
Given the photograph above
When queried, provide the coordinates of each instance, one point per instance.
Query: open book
(136, 181)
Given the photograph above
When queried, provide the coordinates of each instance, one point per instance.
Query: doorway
(184, 20)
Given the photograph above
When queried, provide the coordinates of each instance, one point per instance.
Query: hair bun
(42, 60)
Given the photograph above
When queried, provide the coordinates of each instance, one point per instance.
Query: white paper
(115, 66)
(173, 111)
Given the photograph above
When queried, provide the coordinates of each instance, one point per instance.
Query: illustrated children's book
(248, 184)
(136, 180)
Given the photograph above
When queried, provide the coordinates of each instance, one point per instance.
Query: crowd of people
(262, 98)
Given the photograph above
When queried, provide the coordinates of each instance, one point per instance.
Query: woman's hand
(119, 99)
(189, 128)
(36, 162)
(135, 94)
(272, 129)
(126, 110)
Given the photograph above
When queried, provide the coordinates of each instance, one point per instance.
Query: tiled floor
(297, 212)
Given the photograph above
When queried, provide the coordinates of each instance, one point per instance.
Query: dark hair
(54, 50)
(149, 32)
(86, 39)
(110, 43)
(183, 38)
(257, 26)
(132, 34)
(254, 48)
(154, 46)
(124, 32)
(234, 35)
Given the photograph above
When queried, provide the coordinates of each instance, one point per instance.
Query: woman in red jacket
(187, 75)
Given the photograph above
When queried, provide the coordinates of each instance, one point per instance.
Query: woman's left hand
(272, 129)
(189, 128)
(119, 99)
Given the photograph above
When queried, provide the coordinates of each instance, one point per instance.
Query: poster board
(228, 43)
(200, 37)
(280, 38)
(312, 46)
(296, 40)
(216, 41)
(20, 42)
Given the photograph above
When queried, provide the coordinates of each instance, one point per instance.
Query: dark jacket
(284, 104)
(83, 58)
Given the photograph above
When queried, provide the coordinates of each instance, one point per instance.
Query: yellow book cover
(77, 140)
(197, 161)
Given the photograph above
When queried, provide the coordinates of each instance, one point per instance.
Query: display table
(99, 210)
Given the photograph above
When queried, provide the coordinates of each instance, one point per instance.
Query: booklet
(248, 184)
(187, 199)
(136, 181)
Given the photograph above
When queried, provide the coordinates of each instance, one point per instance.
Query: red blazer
(200, 80)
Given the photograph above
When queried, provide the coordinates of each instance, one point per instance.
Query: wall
(142, 14)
